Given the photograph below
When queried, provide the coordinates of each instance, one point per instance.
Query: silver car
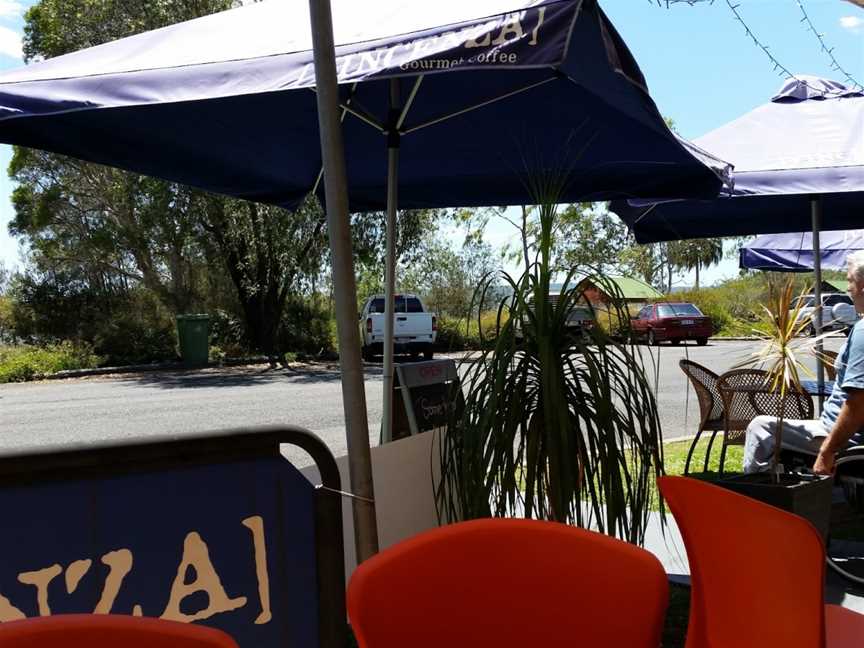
(838, 313)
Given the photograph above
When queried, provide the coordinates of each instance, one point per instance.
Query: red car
(673, 322)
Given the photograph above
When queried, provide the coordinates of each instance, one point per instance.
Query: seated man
(842, 422)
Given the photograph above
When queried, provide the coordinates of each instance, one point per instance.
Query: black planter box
(809, 497)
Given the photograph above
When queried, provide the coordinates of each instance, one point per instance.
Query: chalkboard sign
(425, 394)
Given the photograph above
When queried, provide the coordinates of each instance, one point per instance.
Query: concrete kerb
(179, 366)
(459, 356)
(151, 367)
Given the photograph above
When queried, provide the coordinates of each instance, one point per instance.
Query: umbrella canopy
(473, 96)
(807, 141)
(798, 163)
(794, 252)
(227, 103)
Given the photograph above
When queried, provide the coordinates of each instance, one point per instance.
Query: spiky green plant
(554, 425)
(783, 349)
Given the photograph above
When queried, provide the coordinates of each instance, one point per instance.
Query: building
(634, 292)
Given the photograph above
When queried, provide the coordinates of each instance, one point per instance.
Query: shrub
(7, 323)
(227, 336)
(136, 331)
(22, 363)
(307, 327)
(215, 354)
(458, 334)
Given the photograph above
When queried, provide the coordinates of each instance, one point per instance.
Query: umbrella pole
(816, 214)
(344, 286)
(390, 267)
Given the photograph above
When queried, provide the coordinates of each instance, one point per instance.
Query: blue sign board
(230, 545)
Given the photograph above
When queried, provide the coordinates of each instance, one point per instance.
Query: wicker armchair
(711, 417)
(746, 394)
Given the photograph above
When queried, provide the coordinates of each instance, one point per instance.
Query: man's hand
(849, 421)
(824, 464)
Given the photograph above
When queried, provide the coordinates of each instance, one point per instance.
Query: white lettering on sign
(536, 30)
(40, 580)
(441, 51)
(119, 563)
(256, 525)
(195, 558)
(75, 572)
(432, 409)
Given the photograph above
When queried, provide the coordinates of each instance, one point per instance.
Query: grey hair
(856, 265)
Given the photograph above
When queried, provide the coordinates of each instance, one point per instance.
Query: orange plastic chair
(509, 584)
(109, 631)
(757, 573)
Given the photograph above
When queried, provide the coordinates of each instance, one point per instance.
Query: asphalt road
(85, 410)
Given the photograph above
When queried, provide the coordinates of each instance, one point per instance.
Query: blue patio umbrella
(797, 157)
(806, 143)
(443, 100)
(794, 252)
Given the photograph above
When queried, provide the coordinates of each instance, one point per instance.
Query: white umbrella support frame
(816, 214)
(390, 265)
(344, 285)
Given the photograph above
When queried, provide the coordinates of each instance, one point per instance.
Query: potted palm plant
(553, 425)
(781, 356)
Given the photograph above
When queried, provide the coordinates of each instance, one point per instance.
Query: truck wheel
(812, 330)
(702, 341)
(676, 341)
(366, 354)
(428, 355)
(652, 340)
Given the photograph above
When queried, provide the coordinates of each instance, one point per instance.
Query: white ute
(414, 328)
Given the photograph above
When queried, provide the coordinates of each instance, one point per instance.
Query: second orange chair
(507, 583)
(757, 573)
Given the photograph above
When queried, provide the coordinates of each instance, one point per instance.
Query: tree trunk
(697, 276)
(669, 277)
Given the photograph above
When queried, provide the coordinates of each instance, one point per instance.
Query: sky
(11, 27)
(702, 68)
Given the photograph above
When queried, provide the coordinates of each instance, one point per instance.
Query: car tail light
(368, 324)
(434, 324)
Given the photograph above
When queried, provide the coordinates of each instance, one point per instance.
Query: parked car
(414, 328)
(671, 321)
(833, 318)
(579, 321)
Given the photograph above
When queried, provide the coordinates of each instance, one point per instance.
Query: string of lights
(828, 50)
(778, 66)
(781, 69)
(669, 3)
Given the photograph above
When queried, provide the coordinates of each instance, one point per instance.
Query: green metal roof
(634, 289)
(838, 284)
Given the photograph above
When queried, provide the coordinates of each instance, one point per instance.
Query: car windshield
(832, 300)
(403, 305)
(580, 312)
(678, 310)
(805, 302)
